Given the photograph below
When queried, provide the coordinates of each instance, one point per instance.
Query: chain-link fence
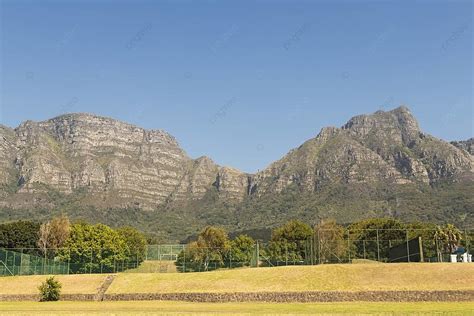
(325, 246)
(20, 262)
(335, 246)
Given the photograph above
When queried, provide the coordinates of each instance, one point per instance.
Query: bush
(50, 290)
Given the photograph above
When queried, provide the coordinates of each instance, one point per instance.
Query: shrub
(50, 290)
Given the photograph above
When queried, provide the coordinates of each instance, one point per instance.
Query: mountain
(467, 145)
(101, 169)
(116, 164)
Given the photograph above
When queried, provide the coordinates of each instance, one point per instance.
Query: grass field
(162, 266)
(343, 277)
(71, 284)
(183, 308)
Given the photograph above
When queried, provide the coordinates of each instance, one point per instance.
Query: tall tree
(53, 234)
(449, 236)
(19, 235)
(330, 244)
(208, 252)
(135, 242)
(241, 249)
(290, 243)
(94, 248)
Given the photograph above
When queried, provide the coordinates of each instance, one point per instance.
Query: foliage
(93, 248)
(331, 240)
(135, 243)
(449, 236)
(20, 234)
(50, 290)
(212, 246)
(372, 238)
(241, 250)
(53, 234)
(289, 242)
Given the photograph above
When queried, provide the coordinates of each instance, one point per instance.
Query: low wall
(277, 297)
(36, 298)
(286, 297)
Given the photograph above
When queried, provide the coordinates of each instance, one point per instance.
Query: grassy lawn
(356, 277)
(183, 308)
(155, 267)
(72, 284)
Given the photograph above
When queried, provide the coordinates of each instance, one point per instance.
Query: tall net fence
(17, 262)
(324, 247)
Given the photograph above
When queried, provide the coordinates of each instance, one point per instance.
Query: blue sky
(242, 82)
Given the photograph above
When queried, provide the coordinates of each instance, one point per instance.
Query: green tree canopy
(19, 234)
(290, 242)
(241, 250)
(135, 243)
(94, 248)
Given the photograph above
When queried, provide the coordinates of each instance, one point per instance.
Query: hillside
(101, 169)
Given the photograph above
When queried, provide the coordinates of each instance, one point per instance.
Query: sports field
(342, 277)
(334, 277)
(184, 308)
(355, 277)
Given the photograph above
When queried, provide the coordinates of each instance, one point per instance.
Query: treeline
(296, 242)
(87, 248)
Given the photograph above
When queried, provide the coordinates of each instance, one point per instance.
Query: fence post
(319, 246)
(21, 261)
(184, 260)
(378, 246)
(363, 245)
(467, 241)
(90, 269)
(69, 262)
(349, 248)
(408, 246)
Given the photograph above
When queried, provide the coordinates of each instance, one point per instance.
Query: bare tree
(53, 234)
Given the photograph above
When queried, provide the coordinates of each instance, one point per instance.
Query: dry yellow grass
(71, 284)
(234, 309)
(358, 277)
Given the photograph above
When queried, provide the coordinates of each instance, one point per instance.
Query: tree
(372, 238)
(212, 246)
(53, 234)
(94, 248)
(289, 243)
(330, 242)
(449, 237)
(135, 243)
(427, 233)
(19, 235)
(241, 249)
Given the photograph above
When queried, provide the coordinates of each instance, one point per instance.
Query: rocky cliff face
(107, 163)
(384, 146)
(115, 163)
(467, 145)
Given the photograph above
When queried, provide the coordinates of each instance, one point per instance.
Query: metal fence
(20, 263)
(164, 252)
(325, 246)
(334, 246)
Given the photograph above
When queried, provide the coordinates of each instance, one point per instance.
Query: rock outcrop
(107, 163)
(384, 146)
(117, 164)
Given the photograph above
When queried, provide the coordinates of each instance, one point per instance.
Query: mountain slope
(115, 163)
(101, 169)
(382, 147)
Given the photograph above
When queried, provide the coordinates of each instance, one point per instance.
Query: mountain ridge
(81, 161)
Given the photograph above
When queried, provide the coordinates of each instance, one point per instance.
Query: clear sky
(242, 82)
